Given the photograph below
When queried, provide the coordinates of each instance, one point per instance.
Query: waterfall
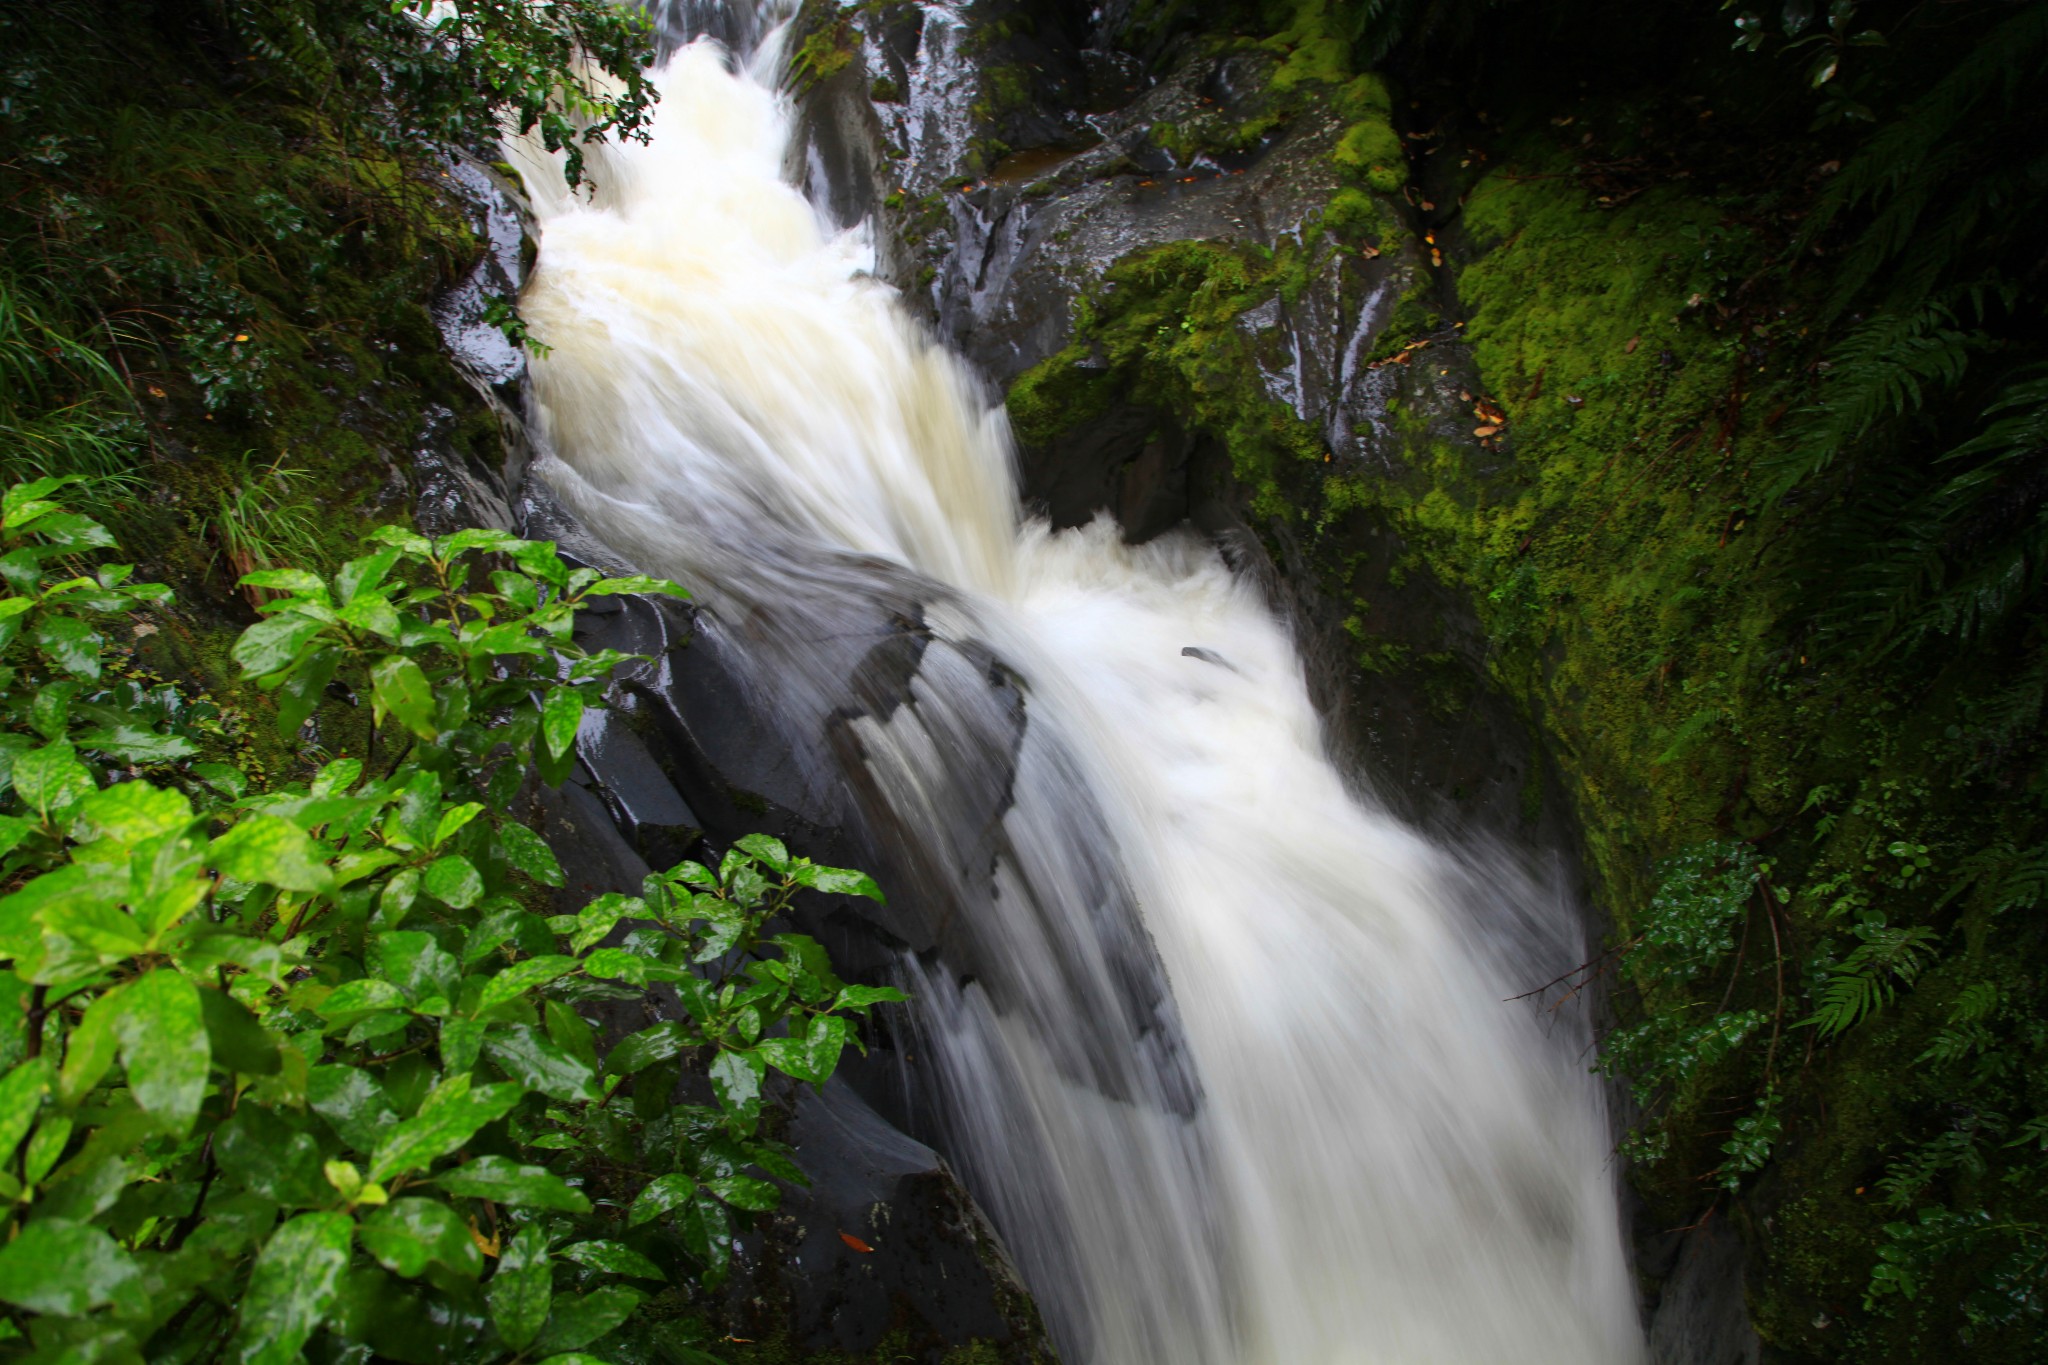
(1220, 1047)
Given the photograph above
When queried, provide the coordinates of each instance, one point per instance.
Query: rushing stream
(1221, 1048)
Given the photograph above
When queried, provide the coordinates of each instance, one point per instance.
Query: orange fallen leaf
(1487, 430)
(856, 1243)
(1633, 342)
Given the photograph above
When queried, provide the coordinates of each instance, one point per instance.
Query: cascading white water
(1332, 1144)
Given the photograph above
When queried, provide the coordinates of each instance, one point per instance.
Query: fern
(1883, 371)
(1868, 979)
(1934, 176)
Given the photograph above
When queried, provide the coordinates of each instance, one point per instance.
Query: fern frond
(1882, 371)
(1868, 979)
(1927, 157)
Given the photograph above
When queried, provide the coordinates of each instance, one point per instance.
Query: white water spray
(1333, 1144)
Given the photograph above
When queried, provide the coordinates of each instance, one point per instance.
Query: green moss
(1166, 323)
(825, 44)
(1357, 216)
(1373, 149)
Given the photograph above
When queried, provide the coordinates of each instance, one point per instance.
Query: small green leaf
(505, 1181)
(353, 999)
(536, 1062)
(51, 779)
(706, 1229)
(560, 716)
(454, 881)
(90, 1050)
(135, 744)
(373, 612)
(273, 851)
(661, 1194)
(476, 538)
(269, 647)
(609, 587)
(522, 1290)
(598, 918)
(859, 997)
(578, 1320)
(768, 850)
(453, 819)
(529, 853)
(273, 1155)
(293, 581)
(736, 1080)
(71, 645)
(54, 1265)
(162, 1034)
(615, 1257)
(571, 1033)
(417, 964)
(407, 1235)
(21, 1099)
(745, 1192)
(658, 1043)
(134, 811)
(449, 1117)
(301, 693)
(839, 881)
(400, 688)
(521, 977)
(223, 778)
(353, 1102)
(291, 1287)
(238, 1039)
(404, 539)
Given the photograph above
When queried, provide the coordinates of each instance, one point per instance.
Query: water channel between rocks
(1222, 1049)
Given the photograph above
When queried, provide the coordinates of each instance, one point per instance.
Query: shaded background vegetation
(1756, 296)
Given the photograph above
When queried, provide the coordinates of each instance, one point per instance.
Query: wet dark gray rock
(1701, 1317)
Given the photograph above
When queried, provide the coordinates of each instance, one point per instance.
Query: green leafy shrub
(302, 1069)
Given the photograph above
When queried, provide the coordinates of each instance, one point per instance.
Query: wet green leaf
(529, 853)
(133, 811)
(560, 717)
(449, 1118)
(400, 688)
(661, 1194)
(521, 977)
(51, 779)
(521, 1292)
(736, 1079)
(539, 1064)
(162, 1034)
(291, 1287)
(615, 1257)
(407, 1235)
(578, 1320)
(507, 1182)
(269, 647)
(71, 645)
(271, 850)
(21, 1099)
(54, 1265)
(238, 1039)
(454, 881)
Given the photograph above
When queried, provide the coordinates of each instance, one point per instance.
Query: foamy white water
(1221, 1049)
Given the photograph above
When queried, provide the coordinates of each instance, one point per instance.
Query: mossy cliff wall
(1499, 400)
